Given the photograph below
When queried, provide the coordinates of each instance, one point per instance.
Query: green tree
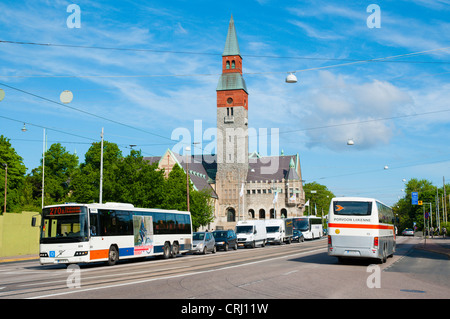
(139, 183)
(60, 167)
(409, 214)
(15, 178)
(175, 197)
(86, 181)
(319, 197)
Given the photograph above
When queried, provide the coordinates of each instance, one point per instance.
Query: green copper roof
(231, 81)
(231, 44)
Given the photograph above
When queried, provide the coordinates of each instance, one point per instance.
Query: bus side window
(93, 221)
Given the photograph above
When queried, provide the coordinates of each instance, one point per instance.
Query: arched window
(262, 214)
(233, 64)
(231, 215)
(272, 213)
(228, 65)
(283, 213)
(251, 213)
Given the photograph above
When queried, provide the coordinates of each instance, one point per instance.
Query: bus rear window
(352, 208)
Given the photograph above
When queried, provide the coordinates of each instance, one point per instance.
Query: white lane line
(78, 290)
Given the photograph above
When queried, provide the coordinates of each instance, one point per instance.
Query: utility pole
(6, 184)
(101, 169)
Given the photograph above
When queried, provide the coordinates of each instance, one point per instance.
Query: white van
(251, 233)
(279, 230)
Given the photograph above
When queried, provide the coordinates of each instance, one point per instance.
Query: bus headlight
(81, 253)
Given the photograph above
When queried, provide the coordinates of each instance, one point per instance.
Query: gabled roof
(273, 168)
(231, 44)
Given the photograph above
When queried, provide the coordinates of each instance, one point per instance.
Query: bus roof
(121, 206)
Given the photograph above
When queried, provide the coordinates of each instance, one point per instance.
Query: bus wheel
(113, 256)
(175, 250)
(166, 250)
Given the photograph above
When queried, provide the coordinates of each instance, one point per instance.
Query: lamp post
(187, 149)
(6, 184)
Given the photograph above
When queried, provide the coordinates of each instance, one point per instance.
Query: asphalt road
(299, 271)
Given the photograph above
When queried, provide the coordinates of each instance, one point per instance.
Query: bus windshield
(64, 224)
(301, 224)
(352, 208)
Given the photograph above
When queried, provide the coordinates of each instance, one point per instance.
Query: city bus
(361, 228)
(84, 233)
(310, 226)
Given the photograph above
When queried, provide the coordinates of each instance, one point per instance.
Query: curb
(18, 258)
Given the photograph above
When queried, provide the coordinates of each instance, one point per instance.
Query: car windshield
(198, 236)
(273, 229)
(244, 229)
(220, 234)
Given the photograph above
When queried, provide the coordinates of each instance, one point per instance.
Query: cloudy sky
(147, 71)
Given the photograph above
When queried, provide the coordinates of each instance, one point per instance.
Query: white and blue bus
(360, 227)
(84, 233)
(310, 226)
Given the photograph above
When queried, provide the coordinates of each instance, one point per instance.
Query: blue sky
(163, 80)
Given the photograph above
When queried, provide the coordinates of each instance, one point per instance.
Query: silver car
(203, 242)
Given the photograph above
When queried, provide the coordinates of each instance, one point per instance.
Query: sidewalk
(18, 258)
(437, 245)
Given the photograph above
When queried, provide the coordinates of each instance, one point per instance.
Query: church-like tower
(232, 130)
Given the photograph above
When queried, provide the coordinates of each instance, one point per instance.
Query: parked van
(251, 233)
(279, 230)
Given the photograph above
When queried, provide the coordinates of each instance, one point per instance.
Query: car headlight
(200, 245)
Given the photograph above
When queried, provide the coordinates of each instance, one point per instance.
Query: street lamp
(291, 78)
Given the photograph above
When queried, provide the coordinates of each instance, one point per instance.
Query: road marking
(290, 272)
(78, 290)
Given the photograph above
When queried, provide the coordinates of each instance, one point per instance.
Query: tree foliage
(15, 178)
(319, 198)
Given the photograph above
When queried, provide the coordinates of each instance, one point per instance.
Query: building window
(228, 65)
(262, 214)
(233, 64)
(251, 213)
(283, 213)
(272, 213)
(231, 215)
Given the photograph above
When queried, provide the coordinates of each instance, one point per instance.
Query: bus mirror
(33, 221)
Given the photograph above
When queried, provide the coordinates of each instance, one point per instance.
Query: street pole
(101, 170)
(187, 177)
(6, 184)
(43, 169)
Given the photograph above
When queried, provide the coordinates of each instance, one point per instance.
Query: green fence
(17, 236)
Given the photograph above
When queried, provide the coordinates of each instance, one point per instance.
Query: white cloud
(342, 101)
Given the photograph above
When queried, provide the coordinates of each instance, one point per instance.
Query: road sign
(420, 202)
(414, 198)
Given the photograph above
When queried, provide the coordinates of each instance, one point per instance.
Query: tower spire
(231, 44)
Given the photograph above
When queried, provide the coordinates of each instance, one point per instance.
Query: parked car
(298, 236)
(203, 242)
(225, 239)
(408, 232)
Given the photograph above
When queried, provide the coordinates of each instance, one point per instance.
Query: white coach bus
(84, 233)
(360, 227)
(310, 226)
